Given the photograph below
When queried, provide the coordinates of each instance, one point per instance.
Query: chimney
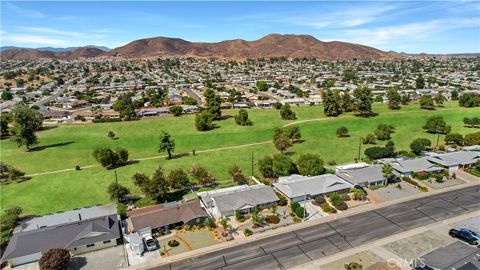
(79, 216)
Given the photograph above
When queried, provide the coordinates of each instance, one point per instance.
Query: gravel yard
(391, 192)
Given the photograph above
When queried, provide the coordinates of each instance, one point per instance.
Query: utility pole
(252, 165)
(359, 148)
(305, 206)
(116, 185)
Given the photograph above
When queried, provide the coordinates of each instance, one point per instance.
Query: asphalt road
(303, 245)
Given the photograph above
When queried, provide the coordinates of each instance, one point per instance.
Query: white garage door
(26, 259)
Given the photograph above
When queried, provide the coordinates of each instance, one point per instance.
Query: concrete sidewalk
(474, 182)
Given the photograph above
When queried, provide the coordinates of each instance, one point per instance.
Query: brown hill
(273, 45)
(83, 52)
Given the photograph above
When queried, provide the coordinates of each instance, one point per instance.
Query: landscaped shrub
(247, 232)
(326, 207)
(294, 206)
(283, 201)
(423, 189)
(319, 200)
(359, 194)
(296, 219)
(346, 197)
(341, 206)
(144, 202)
(77, 168)
(122, 210)
(299, 211)
(411, 181)
(421, 176)
(272, 219)
(173, 243)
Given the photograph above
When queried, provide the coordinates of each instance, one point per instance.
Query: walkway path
(236, 146)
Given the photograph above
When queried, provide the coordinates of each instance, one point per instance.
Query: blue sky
(403, 26)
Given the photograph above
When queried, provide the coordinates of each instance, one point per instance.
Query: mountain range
(52, 49)
(273, 45)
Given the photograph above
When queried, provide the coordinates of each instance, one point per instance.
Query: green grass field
(70, 145)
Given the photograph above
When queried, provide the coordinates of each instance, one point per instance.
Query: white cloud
(51, 31)
(347, 18)
(407, 32)
(23, 11)
(35, 40)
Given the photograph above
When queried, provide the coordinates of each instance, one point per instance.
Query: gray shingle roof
(361, 175)
(234, 199)
(297, 185)
(69, 216)
(455, 158)
(414, 165)
(64, 236)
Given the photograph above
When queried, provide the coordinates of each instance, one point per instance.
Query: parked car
(150, 243)
(465, 235)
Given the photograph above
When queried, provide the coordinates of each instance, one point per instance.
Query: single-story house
(225, 202)
(298, 188)
(366, 176)
(78, 237)
(68, 217)
(54, 114)
(165, 217)
(406, 167)
(455, 160)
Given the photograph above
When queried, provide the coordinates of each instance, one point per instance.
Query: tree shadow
(289, 153)
(366, 115)
(130, 162)
(43, 147)
(43, 128)
(180, 155)
(225, 117)
(77, 263)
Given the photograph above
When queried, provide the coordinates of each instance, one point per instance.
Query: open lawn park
(55, 185)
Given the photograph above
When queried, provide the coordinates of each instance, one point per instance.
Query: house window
(90, 245)
(107, 241)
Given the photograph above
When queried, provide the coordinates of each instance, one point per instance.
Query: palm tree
(387, 171)
(257, 219)
(225, 224)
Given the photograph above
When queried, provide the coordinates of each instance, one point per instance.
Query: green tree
(167, 144)
(394, 99)
(122, 156)
(125, 107)
(201, 175)
(282, 165)
(426, 102)
(471, 122)
(54, 259)
(420, 144)
(111, 134)
(237, 175)
(158, 185)
(265, 166)
(469, 100)
(106, 157)
(310, 164)
(176, 110)
(213, 103)
(342, 132)
(204, 121)
(420, 82)
(117, 191)
(472, 138)
(287, 113)
(242, 118)
(454, 138)
(383, 132)
(369, 139)
(4, 121)
(177, 179)
(348, 103)
(332, 103)
(262, 86)
(387, 171)
(363, 101)
(225, 222)
(281, 142)
(405, 99)
(436, 125)
(26, 122)
(6, 95)
(439, 99)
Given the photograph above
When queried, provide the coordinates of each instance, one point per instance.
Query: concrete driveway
(105, 259)
(314, 211)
